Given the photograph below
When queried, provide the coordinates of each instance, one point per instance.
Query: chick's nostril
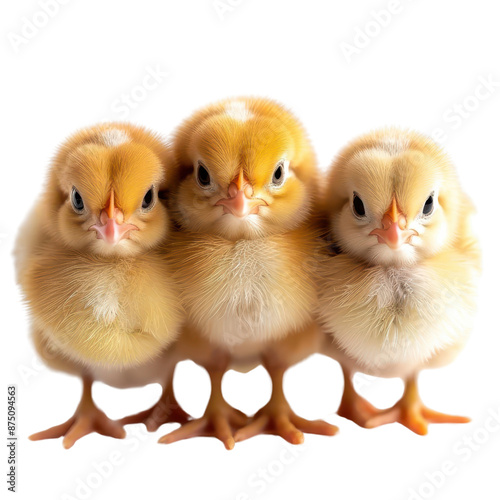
(248, 190)
(119, 217)
(116, 215)
(387, 222)
(232, 190)
(104, 217)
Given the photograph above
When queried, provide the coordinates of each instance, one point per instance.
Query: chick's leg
(87, 419)
(353, 406)
(278, 418)
(165, 411)
(219, 420)
(412, 413)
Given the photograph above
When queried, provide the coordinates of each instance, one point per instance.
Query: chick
(399, 296)
(93, 271)
(244, 256)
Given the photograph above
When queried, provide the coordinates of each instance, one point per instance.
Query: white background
(416, 71)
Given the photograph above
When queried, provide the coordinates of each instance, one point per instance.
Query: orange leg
(87, 419)
(278, 418)
(353, 406)
(411, 412)
(165, 411)
(219, 420)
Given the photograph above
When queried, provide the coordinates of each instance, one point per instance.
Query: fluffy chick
(400, 295)
(92, 268)
(244, 256)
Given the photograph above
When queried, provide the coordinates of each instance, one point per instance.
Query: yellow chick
(244, 257)
(93, 271)
(399, 296)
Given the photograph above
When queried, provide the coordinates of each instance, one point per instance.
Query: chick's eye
(357, 206)
(279, 175)
(203, 176)
(77, 200)
(147, 201)
(428, 205)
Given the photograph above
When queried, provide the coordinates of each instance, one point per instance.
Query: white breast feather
(254, 301)
(396, 317)
(104, 303)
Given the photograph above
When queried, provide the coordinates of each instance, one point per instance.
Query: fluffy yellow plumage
(245, 254)
(248, 136)
(104, 275)
(400, 295)
(92, 266)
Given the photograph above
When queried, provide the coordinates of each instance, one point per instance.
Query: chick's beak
(111, 228)
(240, 201)
(393, 232)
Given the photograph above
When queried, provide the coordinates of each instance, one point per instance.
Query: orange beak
(240, 201)
(112, 228)
(110, 205)
(393, 232)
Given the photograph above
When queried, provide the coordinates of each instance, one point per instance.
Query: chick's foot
(277, 418)
(413, 414)
(353, 406)
(219, 421)
(87, 419)
(167, 410)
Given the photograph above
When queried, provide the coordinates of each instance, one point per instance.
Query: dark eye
(428, 205)
(77, 200)
(148, 199)
(203, 175)
(358, 206)
(279, 174)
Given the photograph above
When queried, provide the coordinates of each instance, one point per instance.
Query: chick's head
(393, 198)
(245, 170)
(104, 191)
